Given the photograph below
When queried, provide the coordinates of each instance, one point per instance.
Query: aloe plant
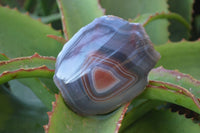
(30, 42)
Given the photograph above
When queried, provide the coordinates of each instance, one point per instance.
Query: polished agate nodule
(104, 65)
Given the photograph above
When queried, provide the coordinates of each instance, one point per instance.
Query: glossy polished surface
(104, 65)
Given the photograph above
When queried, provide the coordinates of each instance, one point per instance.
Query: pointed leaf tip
(101, 8)
(58, 38)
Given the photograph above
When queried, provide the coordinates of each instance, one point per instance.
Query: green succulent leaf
(23, 38)
(24, 102)
(177, 78)
(171, 93)
(156, 91)
(63, 119)
(145, 19)
(183, 56)
(163, 121)
(157, 30)
(82, 14)
(174, 87)
(21, 35)
(26, 36)
(34, 66)
(140, 107)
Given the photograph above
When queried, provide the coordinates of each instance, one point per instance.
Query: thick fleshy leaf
(42, 71)
(178, 78)
(34, 66)
(167, 92)
(20, 35)
(185, 9)
(189, 96)
(155, 91)
(184, 56)
(163, 121)
(16, 116)
(157, 30)
(30, 67)
(145, 19)
(140, 107)
(78, 13)
(63, 119)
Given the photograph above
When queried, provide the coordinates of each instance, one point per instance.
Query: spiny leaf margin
(33, 66)
(68, 120)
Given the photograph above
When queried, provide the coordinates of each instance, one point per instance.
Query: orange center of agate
(104, 79)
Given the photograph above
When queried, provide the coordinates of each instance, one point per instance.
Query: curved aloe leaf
(78, 13)
(42, 71)
(34, 66)
(178, 78)
(183, 56)
(30, 67)
(158, 92)
(188, 95)
(63, 119)
(171, 93)
(145, 19)
(20, 35)
(192, 94)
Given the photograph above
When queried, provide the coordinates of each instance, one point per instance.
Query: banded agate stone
(104, 65)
